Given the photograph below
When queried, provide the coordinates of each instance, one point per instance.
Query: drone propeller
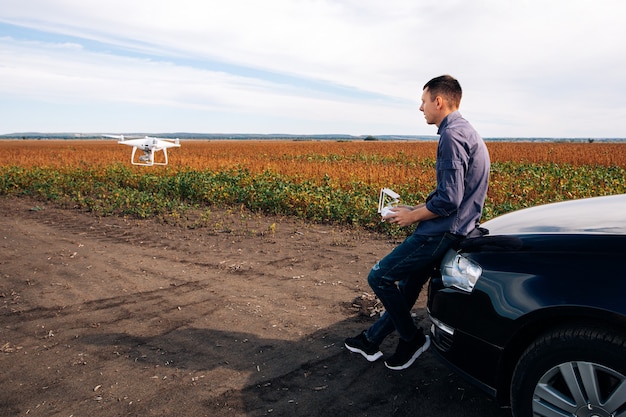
(119, 137)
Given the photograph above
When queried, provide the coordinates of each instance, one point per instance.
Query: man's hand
(402, 216)
(407, 215)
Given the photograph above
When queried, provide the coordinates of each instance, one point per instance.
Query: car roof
(596, 215)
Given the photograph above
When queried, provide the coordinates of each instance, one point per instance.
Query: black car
(534, 311)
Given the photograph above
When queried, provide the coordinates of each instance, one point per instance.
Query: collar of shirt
(447, 120)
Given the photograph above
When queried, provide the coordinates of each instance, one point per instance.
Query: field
(322, 181)
(224, 284)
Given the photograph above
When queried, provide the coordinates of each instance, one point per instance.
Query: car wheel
(577, 372)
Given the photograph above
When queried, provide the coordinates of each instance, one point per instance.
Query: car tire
(554, 376)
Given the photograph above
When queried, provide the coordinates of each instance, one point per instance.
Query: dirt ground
(244, 317)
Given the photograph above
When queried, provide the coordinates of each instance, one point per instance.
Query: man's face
(429, 108)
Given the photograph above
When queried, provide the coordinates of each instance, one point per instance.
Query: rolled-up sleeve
(451, 167)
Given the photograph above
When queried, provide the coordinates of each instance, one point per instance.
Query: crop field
(324, 181)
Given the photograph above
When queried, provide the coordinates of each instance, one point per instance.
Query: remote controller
(385, 211)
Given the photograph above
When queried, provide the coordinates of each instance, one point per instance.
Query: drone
(386, 200)
(150, 146)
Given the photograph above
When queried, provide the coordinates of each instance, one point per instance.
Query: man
(449, 214)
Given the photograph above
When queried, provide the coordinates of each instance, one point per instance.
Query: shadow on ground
(315, 376)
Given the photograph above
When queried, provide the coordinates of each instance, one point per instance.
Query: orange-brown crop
(307, 158)
(304, 173)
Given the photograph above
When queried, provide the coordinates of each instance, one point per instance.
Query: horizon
(235, 136)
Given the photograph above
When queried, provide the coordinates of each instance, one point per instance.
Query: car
(533, 309)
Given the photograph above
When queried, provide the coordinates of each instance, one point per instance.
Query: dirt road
(244, 317)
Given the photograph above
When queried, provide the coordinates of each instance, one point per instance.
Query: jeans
(397, 280)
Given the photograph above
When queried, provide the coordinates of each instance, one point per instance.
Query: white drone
(386, 200)
(149, 145)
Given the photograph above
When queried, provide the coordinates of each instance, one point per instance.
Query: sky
(528, 68)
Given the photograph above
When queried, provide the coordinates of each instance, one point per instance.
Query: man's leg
(368, 342)
(383, 327)
(410, 265)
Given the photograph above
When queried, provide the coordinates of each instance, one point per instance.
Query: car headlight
(459, 272)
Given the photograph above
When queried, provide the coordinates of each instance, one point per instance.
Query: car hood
(597, 215)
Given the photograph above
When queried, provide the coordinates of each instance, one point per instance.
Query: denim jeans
(397, 280)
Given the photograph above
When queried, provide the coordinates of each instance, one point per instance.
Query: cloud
(67, 74)
(528, 68)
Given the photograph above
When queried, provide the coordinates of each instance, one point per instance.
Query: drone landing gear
(148, 157)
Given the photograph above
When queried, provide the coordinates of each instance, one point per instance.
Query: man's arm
(408, 215)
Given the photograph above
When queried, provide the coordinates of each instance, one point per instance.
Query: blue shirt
(462, 179)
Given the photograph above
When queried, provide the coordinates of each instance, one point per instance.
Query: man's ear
(439, 102)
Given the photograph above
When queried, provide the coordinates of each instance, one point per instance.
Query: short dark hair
(447, 87)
